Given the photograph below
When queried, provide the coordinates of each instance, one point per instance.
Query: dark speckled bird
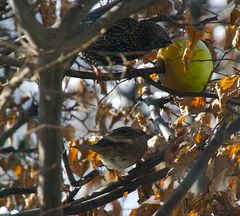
(127, 40)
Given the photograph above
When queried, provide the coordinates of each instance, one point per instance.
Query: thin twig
(200, 164)
(23, 118)
(17, 191)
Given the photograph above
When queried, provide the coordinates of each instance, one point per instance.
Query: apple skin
(192, 78)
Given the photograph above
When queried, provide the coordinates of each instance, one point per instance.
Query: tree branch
(23, 118)
(17, 191)
(120, 11)
(29, 24)
(134, 173)
(154, 108)
(129, 73)
(74, 16)
(116, 193)
(12, 150)
(200, 164)
(73, 208)
(126, 180)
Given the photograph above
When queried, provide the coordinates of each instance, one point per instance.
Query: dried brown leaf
(117, 209)
(228, 87)
(161, 8)
(230, 34)
(236, 39)
(233, 152)
(199, 102)
(231, 30)
(234, 15)
(77, 166)
(145, 210)
(68, 132)
(65, 6)
(238, 188)
(180, 120)
(193, 38)
(145, 192)
(48, 12)
(102, 115)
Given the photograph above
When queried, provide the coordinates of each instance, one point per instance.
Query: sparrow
(121, 148)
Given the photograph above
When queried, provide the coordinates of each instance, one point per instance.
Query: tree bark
(50, 148)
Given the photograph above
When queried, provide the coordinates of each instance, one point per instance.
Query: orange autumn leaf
(73, 158)
(227, 88)
(192, 213)
(199, 102)
(180, 120)
(94, 158)
(154, 77)
(18, 171)
(145, 210)
(233, 151)
(197, 137)
(227, 82)
(156, 194)
(125, 194)
(161, 182)
(193, 38)
(140, 90)
(151, 56)
(89, 155)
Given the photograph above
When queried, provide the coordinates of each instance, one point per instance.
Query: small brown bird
(121, 148)
(127, 40)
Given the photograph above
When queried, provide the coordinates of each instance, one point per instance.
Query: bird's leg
(98, 73)
(139, 163)
(133, 72)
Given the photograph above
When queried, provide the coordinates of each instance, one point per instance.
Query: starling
(127, 40)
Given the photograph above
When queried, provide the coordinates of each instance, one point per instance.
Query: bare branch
(129, 73)
(67, 167)
(117, 193)
(73, 17)
(144, 167)
(154, 109)
(5, 60)
(124, 183)
(17, 191)
(23, 118)
(12, 150)
(29, 24)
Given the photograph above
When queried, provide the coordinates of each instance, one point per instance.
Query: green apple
(190, 76)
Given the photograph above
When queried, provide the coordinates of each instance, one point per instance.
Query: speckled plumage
(121, 148)
(128, 39)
